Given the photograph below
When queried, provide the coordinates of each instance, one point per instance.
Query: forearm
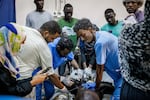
(83, 57)
(92, 60)
(74, 64)
(13, 87)
(55, 80)
(99, 73)
(83, 60)
(84, 65)
(22, 88)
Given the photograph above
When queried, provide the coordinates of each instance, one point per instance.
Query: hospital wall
(92, 9)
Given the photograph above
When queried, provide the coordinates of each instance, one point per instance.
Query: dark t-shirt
(9, 85)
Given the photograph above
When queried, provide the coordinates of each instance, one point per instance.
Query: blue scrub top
(57, 59)
(106, 48)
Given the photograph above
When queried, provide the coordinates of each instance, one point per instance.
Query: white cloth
(130, 19)
(107, 78)
(34, 53)
(76, 74)
(68, 31)
(89, 75)
(88, 71)
(64, 90)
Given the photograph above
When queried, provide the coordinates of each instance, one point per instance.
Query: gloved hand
(87, 74)
(77, 51)
(88, 71)
(80, 72)
(76, 74)
(64, 90)
(68, 82)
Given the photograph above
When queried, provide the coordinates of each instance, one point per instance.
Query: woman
(134, 54)
(11, 38)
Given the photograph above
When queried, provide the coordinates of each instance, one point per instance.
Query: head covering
(11, 37)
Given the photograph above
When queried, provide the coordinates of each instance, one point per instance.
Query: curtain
(7, 11)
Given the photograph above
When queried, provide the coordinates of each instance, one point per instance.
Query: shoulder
(75, 19)
(104, 26)
(35, 37)
(31, 13)
(103, 36)
(129, 28)
(48, 13)
(54, 43)
(60, 19)
(120, 22)
(130, 31)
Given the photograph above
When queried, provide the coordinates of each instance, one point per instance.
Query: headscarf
(11, 38)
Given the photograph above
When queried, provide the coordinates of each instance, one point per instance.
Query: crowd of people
(34, 58)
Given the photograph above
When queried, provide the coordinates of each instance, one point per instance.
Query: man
(12, 37)
(88, 59)
(132, 7)
(35, 52)
(61, 52)
(106, 49)
(113, 26)
(134, 50)
(39, 16)
(67, 22)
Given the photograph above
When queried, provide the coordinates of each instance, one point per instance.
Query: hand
(68, 82)
(90, 66)
(37, 79)
(76, 74)
(64, 90)
(88, 71)
(84, 65)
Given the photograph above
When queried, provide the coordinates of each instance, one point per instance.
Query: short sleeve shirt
(35, 53)
(106, 48)
(57, 59)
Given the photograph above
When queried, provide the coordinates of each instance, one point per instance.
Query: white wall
(92, 9)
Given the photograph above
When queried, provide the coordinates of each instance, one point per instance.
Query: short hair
(36, 1)
(52, 27)
(140, 2)
(65, 43)
(85, 94)
(67, 5)
(95, 27)
(108, 11)
(82, 24)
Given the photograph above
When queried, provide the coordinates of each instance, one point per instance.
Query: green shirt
(63, 22)
(67, 27)
(114, 29)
